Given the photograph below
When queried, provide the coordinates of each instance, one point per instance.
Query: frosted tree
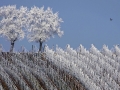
(94, 50)
(12, 22)
(42, 24)
(105, 51)
(116, 50)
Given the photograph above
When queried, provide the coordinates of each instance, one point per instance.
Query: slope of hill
(67, 69)
(33, 71)
(96, 70)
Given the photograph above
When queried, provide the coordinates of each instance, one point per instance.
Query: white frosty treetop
(12, 21)
(42, 24)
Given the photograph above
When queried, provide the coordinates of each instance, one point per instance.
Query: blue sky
(86, 22)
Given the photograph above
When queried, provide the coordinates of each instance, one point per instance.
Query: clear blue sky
(86, 22)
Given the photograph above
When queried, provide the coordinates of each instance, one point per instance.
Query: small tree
(12, 22)
(42, 24)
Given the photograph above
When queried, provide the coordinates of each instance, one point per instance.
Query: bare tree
(42, 24)
(12, 22)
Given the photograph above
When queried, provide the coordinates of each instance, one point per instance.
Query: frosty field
(60, 69)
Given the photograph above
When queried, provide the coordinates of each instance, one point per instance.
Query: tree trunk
(32, 49)
(40, 48)
(12, 46)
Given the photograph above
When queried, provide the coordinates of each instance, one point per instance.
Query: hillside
(60, 69)
(26, 71)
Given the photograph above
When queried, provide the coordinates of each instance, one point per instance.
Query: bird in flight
(111, 19)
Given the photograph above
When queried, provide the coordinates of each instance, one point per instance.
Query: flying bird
(111, 19)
